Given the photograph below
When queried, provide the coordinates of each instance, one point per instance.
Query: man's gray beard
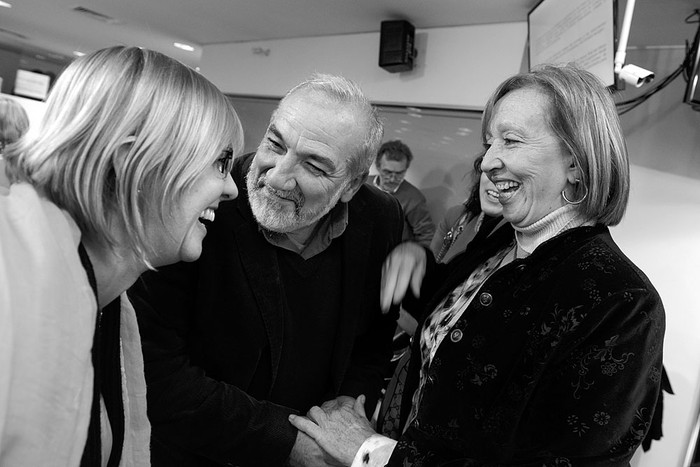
(270, 213)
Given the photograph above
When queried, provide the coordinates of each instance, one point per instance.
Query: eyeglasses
(390, 173)
(224, 164)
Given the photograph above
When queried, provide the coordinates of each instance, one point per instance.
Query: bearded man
(281, 312)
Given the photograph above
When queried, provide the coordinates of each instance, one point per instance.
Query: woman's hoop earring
(568, 201)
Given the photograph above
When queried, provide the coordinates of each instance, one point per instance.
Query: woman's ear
(573, 175)
(353, 187)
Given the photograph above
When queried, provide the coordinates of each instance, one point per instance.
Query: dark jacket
(557, 360)
(205, 325)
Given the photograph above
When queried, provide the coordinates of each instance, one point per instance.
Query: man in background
(393, 160)
(281, 312)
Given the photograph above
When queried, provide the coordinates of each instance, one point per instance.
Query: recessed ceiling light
(5, 4)
(182, 46)
(78, 53)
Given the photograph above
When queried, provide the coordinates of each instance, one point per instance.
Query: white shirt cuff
(374, 452)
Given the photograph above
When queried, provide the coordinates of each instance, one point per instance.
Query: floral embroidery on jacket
(562, 362)
(609, 364)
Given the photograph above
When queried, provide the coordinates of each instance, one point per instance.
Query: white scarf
(47, 323)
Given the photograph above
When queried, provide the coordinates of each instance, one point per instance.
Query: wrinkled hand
(405, 264)
(339, 426)
(307, 453)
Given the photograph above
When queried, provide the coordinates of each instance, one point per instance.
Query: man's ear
(353, 187)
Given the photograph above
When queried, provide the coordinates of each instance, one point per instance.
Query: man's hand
(405, 264)
(339, 426)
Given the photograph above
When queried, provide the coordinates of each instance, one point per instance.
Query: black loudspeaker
(396, 47)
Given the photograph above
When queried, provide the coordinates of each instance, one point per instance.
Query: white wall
(661, 234)
(456, 67)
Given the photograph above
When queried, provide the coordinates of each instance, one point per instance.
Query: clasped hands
(339, 427)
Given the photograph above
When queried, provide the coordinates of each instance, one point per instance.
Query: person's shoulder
(453, 213)
(410, 187)
(368, 193)
(371, 199)
(593, 251)
(632, 274)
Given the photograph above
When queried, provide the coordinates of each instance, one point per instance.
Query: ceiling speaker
(396, 46)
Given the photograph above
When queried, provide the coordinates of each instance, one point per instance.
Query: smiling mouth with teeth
(506, 188)
(207, 216)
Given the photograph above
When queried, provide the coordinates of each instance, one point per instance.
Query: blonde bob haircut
(13, 121)
(344, 91)
(582, 114)
(126, 133)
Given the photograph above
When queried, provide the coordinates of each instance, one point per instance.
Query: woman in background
(461, 223)
(131, 158)
(13, 124)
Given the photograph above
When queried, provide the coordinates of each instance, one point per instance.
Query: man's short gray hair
(346, 91)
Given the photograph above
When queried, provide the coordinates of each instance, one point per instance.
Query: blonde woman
(130, 162)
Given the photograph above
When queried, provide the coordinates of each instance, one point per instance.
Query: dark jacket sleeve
(198, 413)
(372, 349)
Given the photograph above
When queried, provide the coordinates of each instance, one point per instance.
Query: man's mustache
(295, 195)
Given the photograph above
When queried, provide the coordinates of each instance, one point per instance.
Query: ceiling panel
(54, 26)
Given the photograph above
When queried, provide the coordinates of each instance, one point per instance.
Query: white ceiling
(52, 27)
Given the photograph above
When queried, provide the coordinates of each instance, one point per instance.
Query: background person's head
(393, 160)
(128, 147)
(317, 151)
(14, 121)
(553, 137)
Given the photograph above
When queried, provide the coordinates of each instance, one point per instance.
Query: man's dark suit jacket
(204, 326)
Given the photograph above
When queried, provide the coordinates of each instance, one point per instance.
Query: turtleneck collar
(530, 237)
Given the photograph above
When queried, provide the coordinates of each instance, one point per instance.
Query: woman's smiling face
(525, 160)
(179, 237)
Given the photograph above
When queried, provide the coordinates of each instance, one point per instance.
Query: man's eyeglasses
(224, 163)
(390, 173)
